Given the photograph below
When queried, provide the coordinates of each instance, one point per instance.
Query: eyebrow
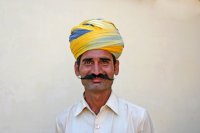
(105, 59)
(87, 59)
(102, 59)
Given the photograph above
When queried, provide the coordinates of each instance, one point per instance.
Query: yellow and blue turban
(95, 34)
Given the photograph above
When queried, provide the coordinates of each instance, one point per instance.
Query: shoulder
(132, 109)
(63, 117)
(130, 106)
(137, 115)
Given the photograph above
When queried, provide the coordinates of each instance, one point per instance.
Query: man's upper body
(116, 116)
(96, 45)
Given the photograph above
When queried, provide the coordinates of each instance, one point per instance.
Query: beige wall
(160, 65)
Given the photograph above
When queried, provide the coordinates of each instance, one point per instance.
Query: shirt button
(97, 126)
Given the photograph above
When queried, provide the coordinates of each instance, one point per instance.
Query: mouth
(97, 80)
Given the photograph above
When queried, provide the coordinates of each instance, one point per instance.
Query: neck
(97, 100)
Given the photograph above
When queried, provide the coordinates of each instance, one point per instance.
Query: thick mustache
(92, 76)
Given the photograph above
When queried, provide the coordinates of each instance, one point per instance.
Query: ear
(116, 67)
(76, 69)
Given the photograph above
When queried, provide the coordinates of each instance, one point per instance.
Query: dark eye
(105, 61)
(87, 62)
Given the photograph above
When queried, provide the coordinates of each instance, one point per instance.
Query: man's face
(97, 62)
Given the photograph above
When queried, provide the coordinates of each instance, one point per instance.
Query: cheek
(84, 70)
(109, 70)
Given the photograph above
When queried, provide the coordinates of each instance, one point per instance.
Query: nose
(96, 69)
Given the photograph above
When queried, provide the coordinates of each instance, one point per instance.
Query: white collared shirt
(116, 116)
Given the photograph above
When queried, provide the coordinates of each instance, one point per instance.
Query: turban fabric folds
(95, 34)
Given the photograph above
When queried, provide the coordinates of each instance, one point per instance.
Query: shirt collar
(81, 106)
(112, 103)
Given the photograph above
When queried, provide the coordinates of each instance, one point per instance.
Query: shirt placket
(97, 124)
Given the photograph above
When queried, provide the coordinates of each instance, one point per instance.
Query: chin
(96, 87)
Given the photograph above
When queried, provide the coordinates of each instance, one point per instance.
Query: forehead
(97, 54)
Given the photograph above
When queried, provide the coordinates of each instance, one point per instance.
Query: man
(96, 44)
